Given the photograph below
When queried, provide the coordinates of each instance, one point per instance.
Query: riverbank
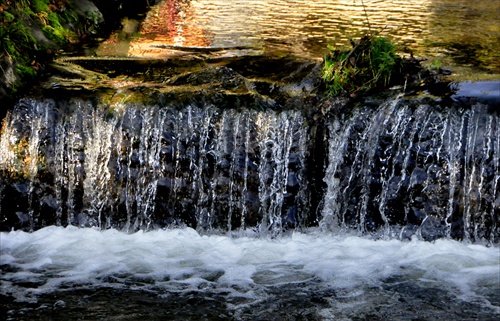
(34, 32)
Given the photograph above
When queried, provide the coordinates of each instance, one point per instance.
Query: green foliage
(383, 59)
(25, 71)
(16, 37)
(55, 31)
(367, 66)
(8, 16)
(54, 20)
(54, 34)
(41, 5)
(68, 16)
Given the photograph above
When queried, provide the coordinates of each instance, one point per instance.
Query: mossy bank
(33, 31)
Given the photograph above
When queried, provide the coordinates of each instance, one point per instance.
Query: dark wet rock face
(205, 157)
(415, 163)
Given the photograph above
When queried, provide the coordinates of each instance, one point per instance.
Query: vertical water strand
(224, 168)
(60, 168)
(337, 145)
(120, 171)
(6, 155)
(390, 161)
(202, 210)
(402, 159)
(446, 155)
(96, 184)
(176, 160)
(232, 165)
(244, 191)
(69, 143)
(484, 222)
(487, 182)
(192, 170)
(294, 194)
(145, 168)
(495, 208)
(129, 126)
(281, 152)
(303, 198)
(215, 157)
(151, 154)
(471, 192)
(429, 140)
(264, 170)
(458, 145)
(412, 176)
(191, 146)
(275, 137)
(370, 217)
(32, 157)
(235, 168)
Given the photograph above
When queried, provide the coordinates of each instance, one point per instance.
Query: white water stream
(181, 260)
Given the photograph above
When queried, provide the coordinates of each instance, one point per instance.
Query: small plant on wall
(368, 65)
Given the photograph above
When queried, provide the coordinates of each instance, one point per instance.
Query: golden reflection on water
(465, 31)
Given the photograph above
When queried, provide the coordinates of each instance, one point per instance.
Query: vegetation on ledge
(30, 31)
(371, 64)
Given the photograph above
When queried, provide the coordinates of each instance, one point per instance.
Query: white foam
(59, 256)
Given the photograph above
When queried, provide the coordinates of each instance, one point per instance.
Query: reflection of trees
(172, 22)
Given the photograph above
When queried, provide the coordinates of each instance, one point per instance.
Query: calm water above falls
(461, 32)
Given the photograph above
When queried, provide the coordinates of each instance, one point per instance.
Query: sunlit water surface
(67, 271)
(455, 32)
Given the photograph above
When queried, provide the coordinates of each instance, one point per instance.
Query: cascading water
(406, 169)
(426, 168)
(401, 168)
(135, 167)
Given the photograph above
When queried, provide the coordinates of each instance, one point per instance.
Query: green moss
(24, 18)
(16, 39)
(41, 5)
(54, 34)
(55, 31)
(25, 71)
(54, 20)
(21, 34)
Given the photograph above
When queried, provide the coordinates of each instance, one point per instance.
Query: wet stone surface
(396, 299)
(251, 81)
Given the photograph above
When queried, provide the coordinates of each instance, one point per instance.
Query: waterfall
(138, 167)
(400, 168)
(407, 169)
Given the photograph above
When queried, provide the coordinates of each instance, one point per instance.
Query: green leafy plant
(368, 65)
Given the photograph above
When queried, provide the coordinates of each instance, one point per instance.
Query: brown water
(456, 32)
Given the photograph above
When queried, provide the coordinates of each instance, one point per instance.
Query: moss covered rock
(31, 31)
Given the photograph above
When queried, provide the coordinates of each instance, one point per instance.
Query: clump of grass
(369, 65)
